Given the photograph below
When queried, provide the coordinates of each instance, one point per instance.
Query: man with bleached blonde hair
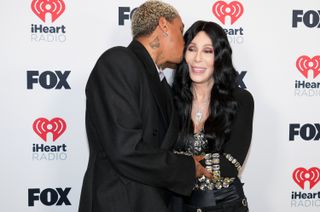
(150, 24)
(131, 122)
(145, 19)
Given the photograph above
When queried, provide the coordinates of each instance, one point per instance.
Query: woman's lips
(197, 69)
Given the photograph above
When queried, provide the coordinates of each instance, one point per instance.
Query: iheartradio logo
(222, 9)
(301, 175)
(43, 7)
(55, 126)
(305, 63)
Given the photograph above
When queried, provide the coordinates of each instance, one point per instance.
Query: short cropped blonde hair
(145, 18)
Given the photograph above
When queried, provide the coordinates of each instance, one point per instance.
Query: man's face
(175, 42)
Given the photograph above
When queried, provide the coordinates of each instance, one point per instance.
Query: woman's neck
(202, 91)
(200, 104)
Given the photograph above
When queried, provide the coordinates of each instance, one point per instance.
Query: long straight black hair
(223, 106)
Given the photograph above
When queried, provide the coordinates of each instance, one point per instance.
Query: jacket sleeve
(241, 132)
(113, 92)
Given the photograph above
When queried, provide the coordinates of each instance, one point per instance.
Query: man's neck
(153, 46)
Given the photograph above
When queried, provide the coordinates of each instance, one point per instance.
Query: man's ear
(163, 25)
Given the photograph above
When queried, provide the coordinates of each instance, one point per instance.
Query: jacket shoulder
(117, 54)
(115, 64)
(243, 96)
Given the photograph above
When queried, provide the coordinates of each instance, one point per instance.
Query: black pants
(231, 199)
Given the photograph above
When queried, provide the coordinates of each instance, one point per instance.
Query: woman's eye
(208, 51)
(191, 49)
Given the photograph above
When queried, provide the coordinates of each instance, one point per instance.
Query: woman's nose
(198, 56)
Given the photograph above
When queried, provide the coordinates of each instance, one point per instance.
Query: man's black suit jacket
(131, 127)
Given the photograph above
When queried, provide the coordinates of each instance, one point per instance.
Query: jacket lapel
(157, 90)
(171, 137)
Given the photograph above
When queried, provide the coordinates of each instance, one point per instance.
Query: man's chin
(169, 65)
(176, 61)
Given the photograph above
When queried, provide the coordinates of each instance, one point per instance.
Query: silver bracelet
(233, 161)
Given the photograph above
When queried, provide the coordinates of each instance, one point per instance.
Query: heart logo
(53, 7)
(43, 126)
(301, 175)
(222, 9)
(305, 63)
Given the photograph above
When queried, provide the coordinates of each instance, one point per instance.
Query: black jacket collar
(159, 93)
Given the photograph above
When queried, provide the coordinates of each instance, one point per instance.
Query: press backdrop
(49, 47)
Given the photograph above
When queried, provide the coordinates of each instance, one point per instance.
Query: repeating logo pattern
(309, 18)
(305, 63)
(222, 9)
(302, 175)
(43, 126)
(49, 196)
(53, 7)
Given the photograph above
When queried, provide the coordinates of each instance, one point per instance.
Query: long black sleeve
(241, 132)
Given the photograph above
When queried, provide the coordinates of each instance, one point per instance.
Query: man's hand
(200, 170)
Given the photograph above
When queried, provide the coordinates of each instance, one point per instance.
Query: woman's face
(200, 58)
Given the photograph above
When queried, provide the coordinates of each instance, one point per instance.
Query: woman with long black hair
(215, 118)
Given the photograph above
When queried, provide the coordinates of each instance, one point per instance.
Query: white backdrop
(46, 59)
